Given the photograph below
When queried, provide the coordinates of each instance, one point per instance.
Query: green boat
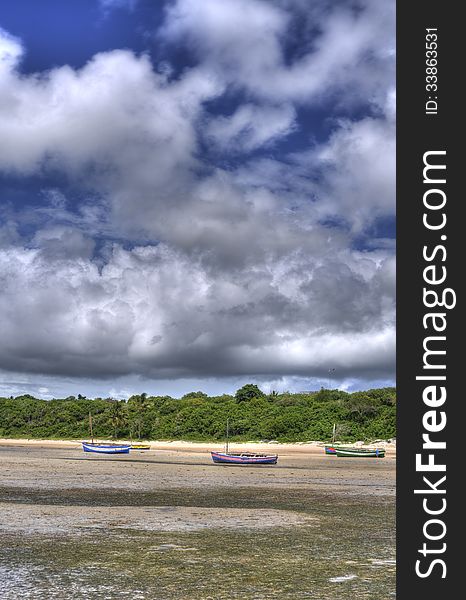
(361, 452)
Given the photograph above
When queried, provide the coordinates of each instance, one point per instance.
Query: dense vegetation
(252, 415)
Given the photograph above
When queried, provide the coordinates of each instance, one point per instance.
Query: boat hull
(361, 453)
(106, 448)
(244, 458)
(140, 447)
(330, 450)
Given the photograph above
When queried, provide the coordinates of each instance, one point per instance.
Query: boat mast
(333, 433)
(228, 432)
(90, 427)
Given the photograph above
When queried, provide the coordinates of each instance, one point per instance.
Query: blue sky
(196, 195)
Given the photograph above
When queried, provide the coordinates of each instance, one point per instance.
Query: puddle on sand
(342, 578)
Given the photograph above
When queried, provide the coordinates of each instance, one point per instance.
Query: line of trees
(253, 415)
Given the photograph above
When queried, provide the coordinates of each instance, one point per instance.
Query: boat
(140, 446)
(106, 448)
(360, 452)
(103, 448)
(331, 448)
(242, 458)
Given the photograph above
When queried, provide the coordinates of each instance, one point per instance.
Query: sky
(196, 195)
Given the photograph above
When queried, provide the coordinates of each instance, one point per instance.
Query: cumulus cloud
(11, 51)
(154, 312)
(357, 171)
(175, 265)
(132, 136)
(110, 114)
(244, 41)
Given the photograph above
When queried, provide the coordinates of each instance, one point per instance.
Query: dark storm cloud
(154, 312)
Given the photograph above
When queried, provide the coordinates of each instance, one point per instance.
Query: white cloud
(112, 113)
(350, 177)
(357, 166)
(251, 127)
(11, 51)
(243, 41)
(133, 135)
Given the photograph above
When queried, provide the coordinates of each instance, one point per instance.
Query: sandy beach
(313, 447)
(185, 519)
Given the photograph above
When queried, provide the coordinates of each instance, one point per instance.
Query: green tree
(361, 407)
(137, 406)
(117, 416)
(190, 395)
(365, 415)
(248, 392)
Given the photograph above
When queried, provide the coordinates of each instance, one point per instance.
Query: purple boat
(244, 458)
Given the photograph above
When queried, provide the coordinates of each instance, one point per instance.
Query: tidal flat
(166, 525)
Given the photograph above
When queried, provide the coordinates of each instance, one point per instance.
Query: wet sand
(168, 523)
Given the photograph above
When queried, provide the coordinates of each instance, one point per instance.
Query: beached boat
(361, 452)
(331, 448)
(242, 458)
(140, 446)
(106, 448)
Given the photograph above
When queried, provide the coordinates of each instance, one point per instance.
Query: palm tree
(138, 403)
(117, 416)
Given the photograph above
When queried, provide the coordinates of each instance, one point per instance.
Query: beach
(183, 446)
(167, 523)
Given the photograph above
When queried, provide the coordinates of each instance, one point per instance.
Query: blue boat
(106, 448)
(244, 458)
(103, 448)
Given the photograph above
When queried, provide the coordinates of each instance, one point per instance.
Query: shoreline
(185, 446)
